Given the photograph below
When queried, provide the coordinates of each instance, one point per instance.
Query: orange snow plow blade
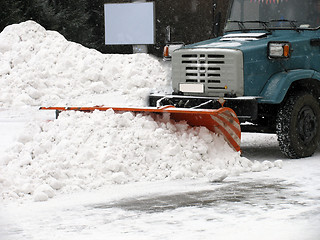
(222, 121)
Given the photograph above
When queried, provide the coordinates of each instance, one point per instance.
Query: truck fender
(278, 85)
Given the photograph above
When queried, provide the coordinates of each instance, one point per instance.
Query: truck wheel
(298, 126)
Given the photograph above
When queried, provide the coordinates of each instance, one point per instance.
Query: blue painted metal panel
(271, 78)
(278, 85)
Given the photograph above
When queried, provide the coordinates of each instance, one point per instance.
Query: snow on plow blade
(222, 121)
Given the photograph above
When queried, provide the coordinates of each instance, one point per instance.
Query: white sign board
(129, 23)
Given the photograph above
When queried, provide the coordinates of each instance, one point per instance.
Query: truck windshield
(273, 14)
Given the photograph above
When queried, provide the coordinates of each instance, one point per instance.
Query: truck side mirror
(168, 34)
(217, 25)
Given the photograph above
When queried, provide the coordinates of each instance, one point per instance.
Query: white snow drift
(81, 151)
(39, 67)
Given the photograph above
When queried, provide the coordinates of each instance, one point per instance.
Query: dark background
(82, 21)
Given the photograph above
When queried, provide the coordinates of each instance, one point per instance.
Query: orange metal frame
(222, 121)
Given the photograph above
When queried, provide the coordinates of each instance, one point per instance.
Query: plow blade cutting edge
(222, 121)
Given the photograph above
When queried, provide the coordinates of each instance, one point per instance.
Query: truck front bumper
(246, 108)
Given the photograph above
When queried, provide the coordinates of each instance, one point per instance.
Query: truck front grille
(219, 70)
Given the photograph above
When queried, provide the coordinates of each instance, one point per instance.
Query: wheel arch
(310, 85)
(281, 85)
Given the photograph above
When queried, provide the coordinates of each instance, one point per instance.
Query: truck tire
(298, 125)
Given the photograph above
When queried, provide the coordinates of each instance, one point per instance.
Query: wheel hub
(307, 124)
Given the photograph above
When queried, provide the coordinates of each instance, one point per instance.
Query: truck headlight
(279, 50)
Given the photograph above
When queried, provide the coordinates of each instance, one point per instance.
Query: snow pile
(39, 67)
(83, 151)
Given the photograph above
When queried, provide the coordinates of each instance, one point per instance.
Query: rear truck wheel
(298, 125)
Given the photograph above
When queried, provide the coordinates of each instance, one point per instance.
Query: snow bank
(39, 67)
(81, 151)
(85, 151)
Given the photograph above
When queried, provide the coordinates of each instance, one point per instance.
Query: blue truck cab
(266, 67)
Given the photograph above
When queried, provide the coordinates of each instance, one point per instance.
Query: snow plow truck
(261, 75)
(266, 66)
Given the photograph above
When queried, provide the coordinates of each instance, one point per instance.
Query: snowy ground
(111, 176)
(273, 204)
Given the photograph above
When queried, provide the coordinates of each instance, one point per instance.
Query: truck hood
(231, 40)
(249, 40)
